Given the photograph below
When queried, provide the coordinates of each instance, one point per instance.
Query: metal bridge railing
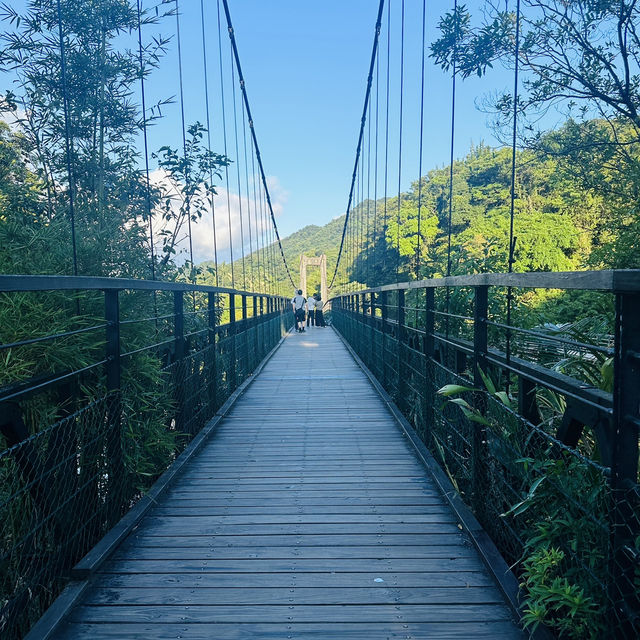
(540, 437)
(104, 382)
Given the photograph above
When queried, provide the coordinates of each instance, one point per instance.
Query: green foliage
(564, 560)
(556, 601)
(188, 194)
(102, 78)
(111, 207)
(561, 517)
(568, 51)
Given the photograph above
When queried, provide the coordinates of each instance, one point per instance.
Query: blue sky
(305, 65)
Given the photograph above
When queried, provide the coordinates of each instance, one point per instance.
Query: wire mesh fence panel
(535, 422)
(94, 412)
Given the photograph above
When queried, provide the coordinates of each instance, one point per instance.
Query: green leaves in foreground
(470, 412)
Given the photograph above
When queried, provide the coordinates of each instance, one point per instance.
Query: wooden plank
(319, 580)
(295, 565)
(503, 630)
(253, 551)
(194, 522)
(204, 509)
(301, 540)
(176, 526)
(419, 501)
(297, 595)
(363, 613)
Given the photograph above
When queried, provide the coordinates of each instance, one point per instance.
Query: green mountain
(311, 240)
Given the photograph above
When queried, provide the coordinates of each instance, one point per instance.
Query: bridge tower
(314, 261)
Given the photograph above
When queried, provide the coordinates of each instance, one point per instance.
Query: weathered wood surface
(307, 516)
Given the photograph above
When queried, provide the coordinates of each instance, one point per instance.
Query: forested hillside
(574, 210)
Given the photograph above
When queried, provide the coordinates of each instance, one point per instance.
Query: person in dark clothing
(319, 315)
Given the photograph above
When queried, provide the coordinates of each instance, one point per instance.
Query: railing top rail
(613, 280)
(71, 283)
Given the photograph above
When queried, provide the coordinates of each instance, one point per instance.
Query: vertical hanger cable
(420, 144)
(206, 102)
(224, 137)
(68, 142)
(361, 135)
(400, 138)
(512, 237)
(236, 139)
(246, 182)
(187, 176)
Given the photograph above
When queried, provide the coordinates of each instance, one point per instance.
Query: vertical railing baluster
(372, 331)
(401, 318)
(245, 338)
(213, 355)
(262, 345)
(233, 360)
(254, 324)
(385, 315)
(429, 349)
(624, 468)
(527, 403)
(113, 371)
(480, 347)
(179, 374)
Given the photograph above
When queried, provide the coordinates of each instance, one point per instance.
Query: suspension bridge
(178, 463)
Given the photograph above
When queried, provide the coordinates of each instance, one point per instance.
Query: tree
(186, 192)
(89, 119)
(585, 50)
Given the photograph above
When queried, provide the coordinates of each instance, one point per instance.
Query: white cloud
(230, 210)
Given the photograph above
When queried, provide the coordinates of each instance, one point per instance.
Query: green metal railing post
(179, 352)
(372, 330)
(262, 345)
(254, 323)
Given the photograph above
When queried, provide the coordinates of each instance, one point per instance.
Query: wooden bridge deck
(307, 515)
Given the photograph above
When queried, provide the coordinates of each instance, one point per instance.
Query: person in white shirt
(311, 313)
(298, 303)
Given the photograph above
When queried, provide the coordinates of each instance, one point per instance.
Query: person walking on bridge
(311, 311)
(319, 314)
(298, 303)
